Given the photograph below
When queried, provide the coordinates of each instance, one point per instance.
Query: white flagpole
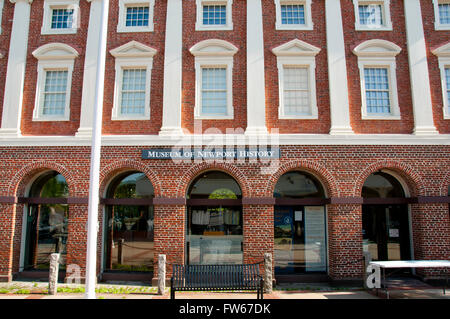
(91, 254)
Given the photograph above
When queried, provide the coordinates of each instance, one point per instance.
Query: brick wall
(341, 169)
(237, 36)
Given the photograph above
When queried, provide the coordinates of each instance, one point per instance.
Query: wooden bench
(216, 277)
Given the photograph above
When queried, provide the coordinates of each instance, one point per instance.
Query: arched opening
(129, 229)
(46, 221)
(214, 232)
(385, 218)
(300, 245)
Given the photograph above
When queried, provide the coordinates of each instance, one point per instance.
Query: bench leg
(172, 291)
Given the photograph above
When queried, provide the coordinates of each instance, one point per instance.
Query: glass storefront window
(385, 226)
(214, 233)
(129, 228)
(300, 231)
(46, 224)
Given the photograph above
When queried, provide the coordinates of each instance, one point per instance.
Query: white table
(410, 264)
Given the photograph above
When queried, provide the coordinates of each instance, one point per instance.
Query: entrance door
(299, 239)
(214, 230)
(386, 232)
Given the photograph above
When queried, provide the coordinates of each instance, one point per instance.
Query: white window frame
(443, 54)
(437, 21)
(297, 53)
(210, 54)
(199, 26)
(308, 15)
(50, 5)
(133, 55)
(386, 12)
(53, 57)
(124, 4)
(1, 14)
(379, 54)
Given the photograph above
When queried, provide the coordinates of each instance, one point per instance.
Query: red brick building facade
(338, 147)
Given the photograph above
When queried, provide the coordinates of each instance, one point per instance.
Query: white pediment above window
(133, 49)
(55, 51)
(442, 51)
(377, 47)
(296, 47)
(213, 47)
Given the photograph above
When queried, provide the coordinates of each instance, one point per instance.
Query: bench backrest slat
(209, 277)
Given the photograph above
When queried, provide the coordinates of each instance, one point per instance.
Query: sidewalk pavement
(37, 290)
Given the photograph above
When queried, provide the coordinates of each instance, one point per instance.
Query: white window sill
(442, 27)
(59, 31)
(213, 117)
(130, 118)
(134, 29)
(213, 28)
(362, 28)
(381, 117)
(51, 119)
(294, 27)
(298, 117)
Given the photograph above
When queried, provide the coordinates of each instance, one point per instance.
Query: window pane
(62, 18)
(133, 91)
(377, 90)
(292, 14)
(137, 17)
(215, 15)
(55, 93)
(444, 13)
(296, 91)
(371, 15)
(214, 91)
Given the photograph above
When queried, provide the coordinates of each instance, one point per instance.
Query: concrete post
(268, 281)
(161, 274)
(53, 274)
(367, 260)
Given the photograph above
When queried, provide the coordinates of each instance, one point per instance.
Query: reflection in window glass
(299, 231)
(214, 91)
(377, 90)
(214, 15)
(299, 239)
(214, 233)
(444, 13)
(130, 229)
(298, 185)
(371, 15)
(382, 185)
(46, 224)
(137, 16)
(55, 91)
(62, 18)
(292, 14)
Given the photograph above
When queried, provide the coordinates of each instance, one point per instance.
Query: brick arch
(408, 174)
(24, 176)
(320, 172)
(445, 184)
(198, 169)
(111, 170)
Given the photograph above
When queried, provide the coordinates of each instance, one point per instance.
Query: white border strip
(229, 139)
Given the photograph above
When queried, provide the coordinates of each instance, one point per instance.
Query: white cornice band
(229, 139)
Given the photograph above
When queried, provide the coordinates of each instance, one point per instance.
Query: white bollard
(268, 284)
(161, 274)
(53, 274)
